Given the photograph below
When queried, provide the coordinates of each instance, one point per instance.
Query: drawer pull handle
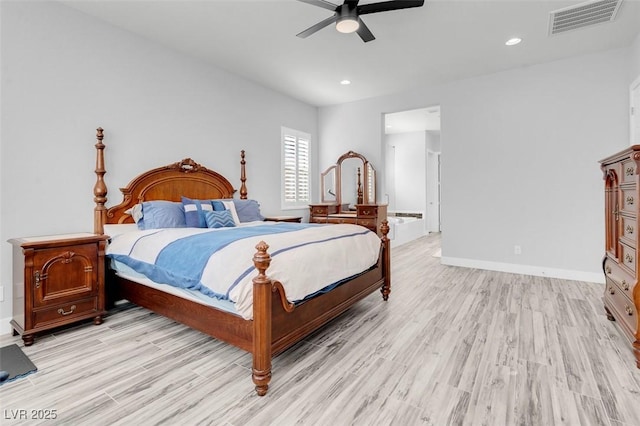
(625, 286)
(62, 311)
(628, 309)
(608, 269)
(628, 258)
(37, 279)
(629, 229)
(611, 290)
(629, 171)
(630, 200)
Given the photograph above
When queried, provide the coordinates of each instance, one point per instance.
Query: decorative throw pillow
(217, 219)
(248, 210)
(194, 211)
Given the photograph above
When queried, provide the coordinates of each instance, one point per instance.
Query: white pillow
(135, 212)
(228, 205)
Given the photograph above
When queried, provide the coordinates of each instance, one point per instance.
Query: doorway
(412, 169)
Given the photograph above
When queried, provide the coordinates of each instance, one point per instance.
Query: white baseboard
(5, 327)
(538, 271)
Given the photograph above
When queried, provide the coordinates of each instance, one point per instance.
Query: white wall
(65, 73)
(520, 153)
(409, 191)
(635, 59)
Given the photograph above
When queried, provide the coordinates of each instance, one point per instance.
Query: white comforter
(303, 260)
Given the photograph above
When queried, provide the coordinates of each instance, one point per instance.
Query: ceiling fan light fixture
(347, 24)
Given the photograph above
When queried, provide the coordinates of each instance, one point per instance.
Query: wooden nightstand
(297, 219)
(57, 280)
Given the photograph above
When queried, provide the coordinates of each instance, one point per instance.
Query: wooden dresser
(368, 215)
(620, 265)
(58, 280)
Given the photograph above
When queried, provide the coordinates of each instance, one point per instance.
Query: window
(296, 185)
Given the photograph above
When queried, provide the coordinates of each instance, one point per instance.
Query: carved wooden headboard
(184, 178)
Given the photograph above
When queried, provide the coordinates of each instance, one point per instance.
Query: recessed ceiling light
(513, 41)
(345, 82)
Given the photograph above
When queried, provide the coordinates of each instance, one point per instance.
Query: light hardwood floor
(451, 346)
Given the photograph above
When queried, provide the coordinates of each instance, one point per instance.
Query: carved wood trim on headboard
(183, 178)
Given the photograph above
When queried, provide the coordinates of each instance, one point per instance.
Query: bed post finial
(100, 188)
(243, 177)
(261, 321)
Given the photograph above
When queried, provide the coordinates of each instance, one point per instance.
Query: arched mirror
(355, 181)
(348, 194)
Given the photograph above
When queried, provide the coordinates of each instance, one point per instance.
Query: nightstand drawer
(63, 313)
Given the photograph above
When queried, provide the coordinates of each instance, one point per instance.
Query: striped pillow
(194, 211)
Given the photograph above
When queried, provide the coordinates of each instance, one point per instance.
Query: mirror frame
(324, 190)
(368, 177)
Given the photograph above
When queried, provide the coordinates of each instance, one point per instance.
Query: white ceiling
(442, 41)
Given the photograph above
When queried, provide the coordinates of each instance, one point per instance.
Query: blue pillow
(217, 219)
(194, 211)
(248, 210)
(218, 205)
(161, 214)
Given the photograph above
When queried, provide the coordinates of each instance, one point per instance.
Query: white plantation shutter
(296, 184)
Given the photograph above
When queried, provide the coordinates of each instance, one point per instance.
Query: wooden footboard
(279, 324)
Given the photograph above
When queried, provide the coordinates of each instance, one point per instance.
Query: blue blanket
(182, 262)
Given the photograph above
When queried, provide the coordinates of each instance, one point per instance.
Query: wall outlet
(517, 250)
(1, 293)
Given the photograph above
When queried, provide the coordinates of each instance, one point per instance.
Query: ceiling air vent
(583, 15)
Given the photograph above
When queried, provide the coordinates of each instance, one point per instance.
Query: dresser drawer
(319, 210)
(628, 258)
(367, 211)
(629, 171)
(341, 219)
(629, 228)
(620, 277)
(624, 309)
(317, 219)
(63, 313)
(629, 201)
(368, 223)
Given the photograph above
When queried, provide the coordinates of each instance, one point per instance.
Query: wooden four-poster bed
(277, 323)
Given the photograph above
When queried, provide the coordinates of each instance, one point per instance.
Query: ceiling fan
(347, 15)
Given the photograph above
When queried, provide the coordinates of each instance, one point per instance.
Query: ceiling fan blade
(321, 3)
(320, 25)
(364, 32)
(385, 6)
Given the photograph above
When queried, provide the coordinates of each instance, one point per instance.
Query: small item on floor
(14, 364)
